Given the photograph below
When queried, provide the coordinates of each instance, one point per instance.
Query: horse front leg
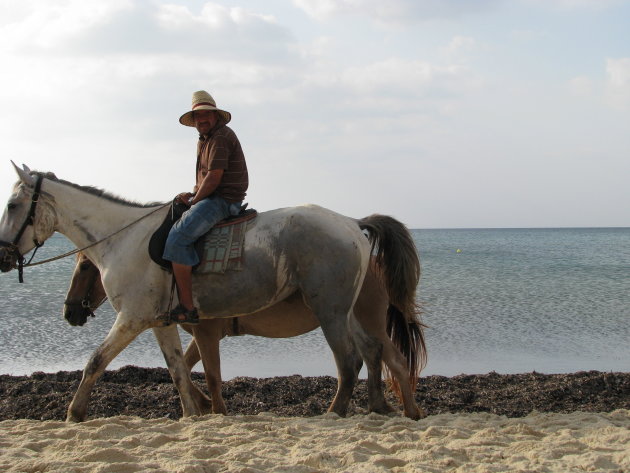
(194, 402)
(119, 336)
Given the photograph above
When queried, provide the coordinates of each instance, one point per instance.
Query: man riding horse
(222, 183)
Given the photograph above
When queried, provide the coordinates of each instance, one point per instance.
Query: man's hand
(185, 198)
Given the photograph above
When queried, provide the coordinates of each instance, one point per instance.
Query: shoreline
(149, 393)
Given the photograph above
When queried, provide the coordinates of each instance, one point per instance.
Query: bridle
(12, 250)
(12, 247)
(84, 304)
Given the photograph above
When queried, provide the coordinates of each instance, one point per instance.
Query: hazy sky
(442, 113)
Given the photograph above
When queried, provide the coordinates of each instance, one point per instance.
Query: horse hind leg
(397, 366)
(207, 338)
(371, 350)
(347, 359)
(209, 335)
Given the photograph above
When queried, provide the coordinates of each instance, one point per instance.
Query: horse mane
(96, 191)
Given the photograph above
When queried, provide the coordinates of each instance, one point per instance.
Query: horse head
(28, 219)
(86, 292)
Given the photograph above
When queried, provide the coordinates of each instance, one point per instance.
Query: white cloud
(89, 91)
(459, 48)
(461, 43)
(393, 11)
(575, 4)
(581, 86)
(397, 76)
(89, 28)
(36, 24)
(618, 82)
(213, 16)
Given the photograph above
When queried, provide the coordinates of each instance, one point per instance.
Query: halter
(12, 248)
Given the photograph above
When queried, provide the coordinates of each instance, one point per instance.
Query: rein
(30, 219)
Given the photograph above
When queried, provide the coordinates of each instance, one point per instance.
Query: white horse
(307, 250)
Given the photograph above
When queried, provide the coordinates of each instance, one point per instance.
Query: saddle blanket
(219, 250)
(223, 249)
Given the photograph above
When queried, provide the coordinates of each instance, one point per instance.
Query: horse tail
(397, 256)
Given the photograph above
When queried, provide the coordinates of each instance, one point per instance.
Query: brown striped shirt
(222, 150)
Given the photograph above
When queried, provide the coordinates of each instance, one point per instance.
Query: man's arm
(209, 184)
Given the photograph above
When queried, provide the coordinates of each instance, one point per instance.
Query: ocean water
(504, 300)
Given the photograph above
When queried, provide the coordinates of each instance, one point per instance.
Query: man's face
(205, 120)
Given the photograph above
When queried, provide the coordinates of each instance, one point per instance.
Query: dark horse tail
(397, 256)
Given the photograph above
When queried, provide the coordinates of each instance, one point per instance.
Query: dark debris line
(149, 393)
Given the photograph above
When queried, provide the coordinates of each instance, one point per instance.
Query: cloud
(76, 27)
(402, 77)
(130, 52)
(393, 11)
(618, 82)
(581, 86)
(575, 4)
(34, 25)
(459, 48)
(412, 11)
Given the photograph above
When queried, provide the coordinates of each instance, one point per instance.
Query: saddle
(218, 250)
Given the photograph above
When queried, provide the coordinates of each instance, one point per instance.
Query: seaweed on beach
(149, 393)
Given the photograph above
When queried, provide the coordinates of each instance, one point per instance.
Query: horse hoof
(219, 409)
(417, 414)
(339, 412)
(384, 409)
(73, 418)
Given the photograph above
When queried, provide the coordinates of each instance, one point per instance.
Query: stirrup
(180, 315)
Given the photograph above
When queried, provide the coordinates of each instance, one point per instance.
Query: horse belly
(288, 318)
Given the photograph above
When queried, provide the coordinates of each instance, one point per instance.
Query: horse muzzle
(9, 256)
(77, 312)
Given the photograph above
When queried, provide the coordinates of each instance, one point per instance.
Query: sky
(440, 113)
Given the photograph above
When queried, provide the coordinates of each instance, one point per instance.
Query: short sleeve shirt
(222, 150)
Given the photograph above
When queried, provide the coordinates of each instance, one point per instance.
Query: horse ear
(24, 175)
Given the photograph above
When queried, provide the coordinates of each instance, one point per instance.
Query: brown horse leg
(191, 356)
(207, 335)
(213, 372)
(397, 365)
(376, 398)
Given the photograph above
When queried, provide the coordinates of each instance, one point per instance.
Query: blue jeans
(193, 224)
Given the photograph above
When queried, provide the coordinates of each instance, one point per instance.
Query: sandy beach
(481, 442)
(481, 423)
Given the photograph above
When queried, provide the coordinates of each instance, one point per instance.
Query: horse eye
(11, 206)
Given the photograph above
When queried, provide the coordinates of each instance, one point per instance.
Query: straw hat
(202, 100)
